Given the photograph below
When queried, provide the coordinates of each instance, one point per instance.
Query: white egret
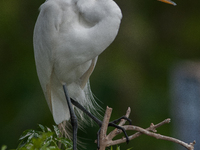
(69, 36)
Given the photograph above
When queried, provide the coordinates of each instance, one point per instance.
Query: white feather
(69, 36)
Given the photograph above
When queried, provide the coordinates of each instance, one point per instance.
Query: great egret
(69, 36)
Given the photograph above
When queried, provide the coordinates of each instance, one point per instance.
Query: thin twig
(151, 128)
(137, 134)
(155, 135)
(150, 131)
(123, 121)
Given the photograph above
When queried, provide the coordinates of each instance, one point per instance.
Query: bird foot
(114, 124)
(99, 122)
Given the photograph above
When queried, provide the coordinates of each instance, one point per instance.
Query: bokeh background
(133, 72)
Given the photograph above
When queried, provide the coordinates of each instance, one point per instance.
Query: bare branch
(123, 121)
(137, 134)
(104, 127)
(155, 135)
(106, 141)
(151, 128)
(115, 132)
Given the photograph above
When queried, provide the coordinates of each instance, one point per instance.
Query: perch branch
(106, 141)
(103, 139)
(137, 134)
(115, 132)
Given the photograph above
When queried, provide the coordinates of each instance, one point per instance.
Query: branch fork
(107, 140)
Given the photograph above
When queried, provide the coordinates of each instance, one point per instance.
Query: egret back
(69, 35)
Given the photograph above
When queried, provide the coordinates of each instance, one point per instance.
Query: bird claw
(114, 124)
(119, 119)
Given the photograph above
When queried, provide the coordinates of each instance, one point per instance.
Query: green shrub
(45, 139)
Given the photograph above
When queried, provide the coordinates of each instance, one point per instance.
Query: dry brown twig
(106, 140)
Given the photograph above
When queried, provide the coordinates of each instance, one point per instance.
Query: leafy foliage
(43, 140)
(117, 148)
(4, 147)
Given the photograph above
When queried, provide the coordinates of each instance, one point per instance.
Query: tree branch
(103, 139)
(106, 141)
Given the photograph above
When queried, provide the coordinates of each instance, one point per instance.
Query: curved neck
(84, 40)
(97, 38)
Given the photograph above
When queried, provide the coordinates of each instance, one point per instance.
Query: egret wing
(45, 40)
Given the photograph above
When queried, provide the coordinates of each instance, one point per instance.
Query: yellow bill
(168, 2)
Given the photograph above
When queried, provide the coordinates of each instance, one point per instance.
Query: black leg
(98, 139)
(99, 122)
(118, 127)
(95, 119)
(73, 117)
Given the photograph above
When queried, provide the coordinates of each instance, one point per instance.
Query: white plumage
(69, 36)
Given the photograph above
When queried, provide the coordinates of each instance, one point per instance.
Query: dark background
(134, 70)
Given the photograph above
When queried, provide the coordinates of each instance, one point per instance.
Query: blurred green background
(134, 70)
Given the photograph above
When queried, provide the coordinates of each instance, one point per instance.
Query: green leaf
(26, 133)
(57, 131)
(4, 147)
(52, 148)
(66, 142)
(30, 137)
(42, 127)
(48, 129)
(118, 148)
(43, 140)
(109, 148)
